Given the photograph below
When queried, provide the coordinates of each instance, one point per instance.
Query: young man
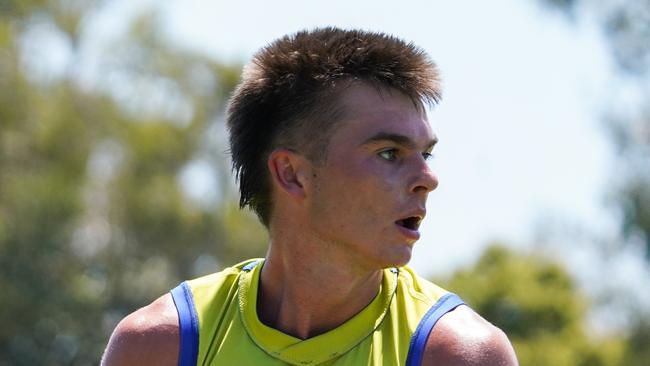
(330, 140)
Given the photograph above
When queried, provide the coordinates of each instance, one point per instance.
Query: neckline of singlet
(321, 348)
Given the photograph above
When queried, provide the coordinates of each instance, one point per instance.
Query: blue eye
(389, 155)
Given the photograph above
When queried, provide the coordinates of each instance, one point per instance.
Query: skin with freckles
(335, 225)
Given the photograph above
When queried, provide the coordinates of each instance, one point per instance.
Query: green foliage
(624, 22)
(625, 25)
(638, 344)
(535, 303)
(94, 222)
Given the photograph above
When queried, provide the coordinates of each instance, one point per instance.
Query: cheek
(377, 182)
(364, 196)
(361, 193)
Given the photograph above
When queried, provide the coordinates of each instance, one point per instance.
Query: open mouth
(411, 223)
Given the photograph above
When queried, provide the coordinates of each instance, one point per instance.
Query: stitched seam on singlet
(383, 319)
(296, 362)
(419, 295)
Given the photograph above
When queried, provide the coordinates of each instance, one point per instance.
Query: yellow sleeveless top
(219, 312)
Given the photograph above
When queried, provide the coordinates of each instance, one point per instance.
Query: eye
(427, 156)
(388, 155)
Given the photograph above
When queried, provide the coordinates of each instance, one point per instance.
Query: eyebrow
(398, 139)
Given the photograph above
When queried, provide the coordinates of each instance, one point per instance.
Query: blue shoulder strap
(444, 305)
(250, 266)
(188, 323)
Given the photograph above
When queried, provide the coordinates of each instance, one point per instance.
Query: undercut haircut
(287, 97)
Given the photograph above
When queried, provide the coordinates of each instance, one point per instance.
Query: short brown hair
(286, 97)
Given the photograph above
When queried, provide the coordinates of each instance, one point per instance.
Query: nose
(425, 179)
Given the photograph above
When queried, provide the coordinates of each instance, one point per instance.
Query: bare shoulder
(148, 336)
(463, 338)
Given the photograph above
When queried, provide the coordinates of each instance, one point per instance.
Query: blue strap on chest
(444, 305)
(188, 323)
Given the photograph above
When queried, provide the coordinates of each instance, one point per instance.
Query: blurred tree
(626, 26)
(535, 303)
(98, 158)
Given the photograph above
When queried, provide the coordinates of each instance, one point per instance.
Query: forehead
(369, 110)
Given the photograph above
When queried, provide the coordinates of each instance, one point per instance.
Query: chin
(401, 263)
(399, 258)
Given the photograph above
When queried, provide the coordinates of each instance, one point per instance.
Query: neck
(305, 292)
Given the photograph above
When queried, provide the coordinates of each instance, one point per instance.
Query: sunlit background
(115, 181)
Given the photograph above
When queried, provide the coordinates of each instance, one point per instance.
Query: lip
(419, 212)
(410, 234)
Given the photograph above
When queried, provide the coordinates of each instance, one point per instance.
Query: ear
(288, 172)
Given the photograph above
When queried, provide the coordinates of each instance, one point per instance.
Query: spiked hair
(287, 97)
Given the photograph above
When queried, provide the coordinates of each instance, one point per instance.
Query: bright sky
(519, 128)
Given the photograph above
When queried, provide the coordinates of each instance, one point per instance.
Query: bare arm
(149, 336)
(463, 338)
